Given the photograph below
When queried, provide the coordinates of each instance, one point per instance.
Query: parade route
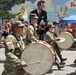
(67, 70)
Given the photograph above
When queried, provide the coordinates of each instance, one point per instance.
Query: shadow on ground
(73, 73)
(72, 65)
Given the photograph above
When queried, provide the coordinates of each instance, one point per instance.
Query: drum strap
(18, 50)
(34, 29)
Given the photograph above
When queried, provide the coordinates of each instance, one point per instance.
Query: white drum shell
(39, 51)
(68, 40)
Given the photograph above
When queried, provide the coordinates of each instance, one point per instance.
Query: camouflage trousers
(13, 70)
(13, 73)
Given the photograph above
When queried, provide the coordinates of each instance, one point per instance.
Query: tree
(6, 5)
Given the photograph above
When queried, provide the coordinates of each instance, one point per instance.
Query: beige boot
(75, 61)
(59, 66)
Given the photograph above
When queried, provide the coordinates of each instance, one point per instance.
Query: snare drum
(38, 51)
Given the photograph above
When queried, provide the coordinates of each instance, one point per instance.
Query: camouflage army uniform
(49, 38)
(31, 34)
(13, 48)
(24, 31)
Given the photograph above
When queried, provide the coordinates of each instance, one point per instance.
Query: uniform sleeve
(48, 34)
(16, 59)
(9, 43)
(31, 32)
(10, 47)
(32, 36)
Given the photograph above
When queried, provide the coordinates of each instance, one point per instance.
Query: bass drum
(38, 51)
(68, 40)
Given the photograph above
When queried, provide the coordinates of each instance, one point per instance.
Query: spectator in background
(74, 34)
(7, 28)
(73, 26)
(68, 28)
(56, 25)
(7, 24)
(0, 36)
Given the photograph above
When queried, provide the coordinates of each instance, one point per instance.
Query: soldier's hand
(36, 40)
(25, 65)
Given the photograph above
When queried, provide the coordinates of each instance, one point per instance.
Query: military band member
(56, 33)
(49, 38)
(31, 29)
(14, 46)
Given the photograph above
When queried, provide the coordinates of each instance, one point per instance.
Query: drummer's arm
(10, 54)
(16, 59)
(55, 34)
(49, 35)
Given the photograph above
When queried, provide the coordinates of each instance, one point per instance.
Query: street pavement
(69, 68)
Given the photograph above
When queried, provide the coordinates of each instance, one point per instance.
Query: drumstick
(36, 62)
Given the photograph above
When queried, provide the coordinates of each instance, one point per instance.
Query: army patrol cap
(55, 22)
(17, 24)
(32, 15)
(51, 25)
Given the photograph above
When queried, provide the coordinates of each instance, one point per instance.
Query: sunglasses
(20, 27)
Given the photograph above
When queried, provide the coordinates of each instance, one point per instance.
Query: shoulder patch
(9, 42)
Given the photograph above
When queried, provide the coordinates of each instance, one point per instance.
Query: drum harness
(18, 50)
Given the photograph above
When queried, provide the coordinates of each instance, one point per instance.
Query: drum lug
(45, 42)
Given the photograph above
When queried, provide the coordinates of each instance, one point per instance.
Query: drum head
(68, 40)
(38, 52)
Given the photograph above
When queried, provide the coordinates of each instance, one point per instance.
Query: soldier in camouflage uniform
(31, 29)
(24, 31)
(14, 46)
(50, 38)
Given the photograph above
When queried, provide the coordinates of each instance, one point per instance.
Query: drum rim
(44, 45)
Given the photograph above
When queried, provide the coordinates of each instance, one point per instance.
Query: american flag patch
(9, 42)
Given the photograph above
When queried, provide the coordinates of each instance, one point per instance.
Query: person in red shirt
(7, 28)
(7, 24)
(68, 28)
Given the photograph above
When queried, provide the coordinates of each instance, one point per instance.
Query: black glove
(55, 35)
(58, 39)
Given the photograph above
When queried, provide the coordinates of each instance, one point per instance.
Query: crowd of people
(20, 33)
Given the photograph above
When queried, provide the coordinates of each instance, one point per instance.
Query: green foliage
(6, 5)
